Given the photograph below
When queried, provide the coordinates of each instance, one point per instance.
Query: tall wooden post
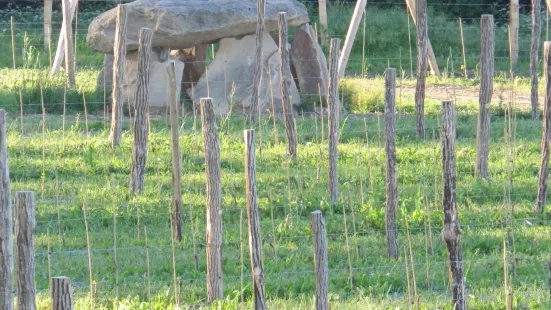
(391, 169)
(60, 51)
(214, 200)
(323, 20)
(485, 95)
(61, 293)
(141, 121)
(25, 222)
(174, 102)
(412, 8)
(48, 24)
(351, 35)
(255, 241)
(320, 260)
(258, 64)
(115, 133)
(534, 56)
(285, 79)
(546, 131)
(334, 115)
(513, 30)
(422, 54)
(68, 34)
(6, 222)
(451, 232)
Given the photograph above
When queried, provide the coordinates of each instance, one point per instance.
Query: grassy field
(80, 171)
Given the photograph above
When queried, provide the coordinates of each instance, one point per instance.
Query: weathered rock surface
(158, 79)
(195, 63)
(229, 78)
(106, 74)
(309, 62)
(180, 24)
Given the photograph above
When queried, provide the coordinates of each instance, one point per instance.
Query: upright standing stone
(194, 60)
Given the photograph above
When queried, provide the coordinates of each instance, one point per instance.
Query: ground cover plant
(73, 170)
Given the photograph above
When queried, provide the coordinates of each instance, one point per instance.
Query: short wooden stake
(68, 34)
(141, 120)
(334, 114)
(285, 79)
(534, 56)
(546, 131)
(391, 169)
(61, 293)
(89, 249)
(451, 232)
(6, 222)
(320, 260)
(485, 96)
(214, 201)
(258, 65)
(422, 57)
(115, 133)
(255, 242)
(176, 158)
(25, 222)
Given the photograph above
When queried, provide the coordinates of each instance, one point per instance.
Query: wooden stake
(334, 111)
(174, 276)
(347, 244)
(25, 223)
(463, 48)
(485, 97)
(451, 232)
(323, 21)
(61, 293)
(411, 4)
(43, 177)
(258, 65)
(513, 30)
(48, 26)
(89, 248)
(410, 52)
(12, 43)
(176, 158)
(68, 33)
(320, 260)
(351, 35)
(415, 296)
(422, 56)
(534, 56)
(391, 169)
(214, 201)
(60, 52)
(115, 133)
(85, 114)
(546, 131)
(285, 79)
(49, 256)
(141, 125)
(6, 222)
(255, 242)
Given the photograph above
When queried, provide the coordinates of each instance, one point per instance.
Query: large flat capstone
(181, 24)
(228, 80)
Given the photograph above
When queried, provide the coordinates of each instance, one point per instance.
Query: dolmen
(183, 32)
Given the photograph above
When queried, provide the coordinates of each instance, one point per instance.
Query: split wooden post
(513, 30)
(255, 242)
(176, 158)
(141, 120)
(431, 57)
(534, 56)
(6, 222)
(68, 34)
(60, 51)
(323, 20)
(61, 293)
(422, 54)
(485, 95)
(25, 222)
(115, 134)
(214, 200)
(351, 35)
(451, 232)
(285, 79)
(48, 25)
(546, 131)
(258, 64)
(334, 111)
(321, 261)
(391, 169)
